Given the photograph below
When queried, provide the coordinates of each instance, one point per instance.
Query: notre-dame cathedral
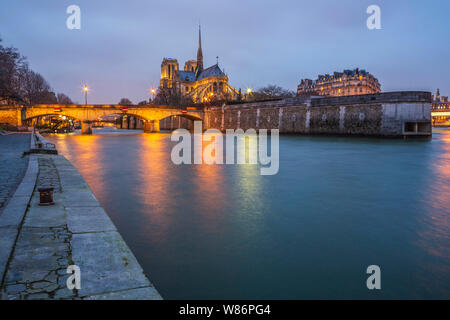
(201, 85)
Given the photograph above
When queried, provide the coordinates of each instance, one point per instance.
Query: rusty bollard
(46, 196)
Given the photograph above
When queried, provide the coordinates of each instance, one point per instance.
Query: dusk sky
(120, 45)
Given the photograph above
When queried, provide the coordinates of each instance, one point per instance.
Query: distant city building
(440, 106)
(347, 83)
(440, 102)
(196, 82)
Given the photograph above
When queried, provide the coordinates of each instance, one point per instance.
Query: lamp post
(85, 89)
(248, 91)
(153, 91)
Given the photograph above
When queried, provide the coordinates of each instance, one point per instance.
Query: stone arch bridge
(87, 114)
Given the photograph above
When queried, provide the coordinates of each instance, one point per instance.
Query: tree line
(21, 85)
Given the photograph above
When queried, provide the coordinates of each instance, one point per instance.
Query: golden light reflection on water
(249, 174)
(214, 192)
(155, 183)
(435, 238)
(154, 175)
(209, 191)
(85, 153)
(251, 197)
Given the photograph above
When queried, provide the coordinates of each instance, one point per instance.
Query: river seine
(336, 206)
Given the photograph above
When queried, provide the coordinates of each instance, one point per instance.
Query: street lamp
(248, 92)
(153, 91)
(85, 89)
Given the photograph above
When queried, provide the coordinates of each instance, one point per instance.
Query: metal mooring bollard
(46, 196)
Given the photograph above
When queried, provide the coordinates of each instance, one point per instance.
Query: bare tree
(162, 96)
(63, 99)
(35, 89)
(125, 101)
(18, 83)
(271, 92)
(11, 63)
(171, 97)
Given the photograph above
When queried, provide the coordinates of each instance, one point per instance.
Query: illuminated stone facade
(347, 83)
(440, 102)
(440, 108)
(200, 84)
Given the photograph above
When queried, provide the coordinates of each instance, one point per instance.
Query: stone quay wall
(10, 116)
(394, 114)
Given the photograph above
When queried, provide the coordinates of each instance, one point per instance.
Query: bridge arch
(65, 121)
(128, 114)
(130, 120)
(50, 114)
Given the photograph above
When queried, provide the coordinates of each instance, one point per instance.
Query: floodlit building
(347, 83)
(194, 81)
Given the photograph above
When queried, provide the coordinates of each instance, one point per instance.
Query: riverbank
(39, 243)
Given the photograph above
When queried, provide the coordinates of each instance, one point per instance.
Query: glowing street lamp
(153, 92)
(85, 89)
(248, 92)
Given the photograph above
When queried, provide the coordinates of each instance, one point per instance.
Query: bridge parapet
(94, 112)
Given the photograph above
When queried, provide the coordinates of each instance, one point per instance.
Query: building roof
(213, 71)
(187, 76)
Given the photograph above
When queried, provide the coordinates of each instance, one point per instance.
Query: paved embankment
(12, 165)
(38, 243)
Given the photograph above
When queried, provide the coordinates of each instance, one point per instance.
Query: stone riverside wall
(384, 114)
(10, 116)
(38, 243)
(172, 123)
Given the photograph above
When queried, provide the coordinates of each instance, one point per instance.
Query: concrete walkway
(38, 243)
(12, 165)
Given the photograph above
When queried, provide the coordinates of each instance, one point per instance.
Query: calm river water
(336, 206)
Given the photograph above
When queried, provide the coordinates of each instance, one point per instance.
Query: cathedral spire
(199, 51)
